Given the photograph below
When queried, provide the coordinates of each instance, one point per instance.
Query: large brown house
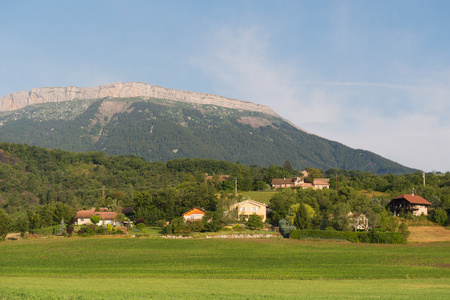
(409, 203)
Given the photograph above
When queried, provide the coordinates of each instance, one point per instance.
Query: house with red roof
(195, 214)
(281, 183)
(317, 184)
(83, 217)
(409, 203)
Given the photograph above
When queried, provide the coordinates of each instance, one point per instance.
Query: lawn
(114, 268)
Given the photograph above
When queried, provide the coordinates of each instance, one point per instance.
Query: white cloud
(402, 122)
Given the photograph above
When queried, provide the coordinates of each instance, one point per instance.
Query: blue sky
(373, 75)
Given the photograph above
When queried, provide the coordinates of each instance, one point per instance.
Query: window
(243, 208)
(254, 208)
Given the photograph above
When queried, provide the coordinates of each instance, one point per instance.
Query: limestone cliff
(21, 99)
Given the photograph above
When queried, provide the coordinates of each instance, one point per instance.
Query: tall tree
(4, 225)
(302, 219)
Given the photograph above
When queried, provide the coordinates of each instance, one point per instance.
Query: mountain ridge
(21, 99)
(193, 125)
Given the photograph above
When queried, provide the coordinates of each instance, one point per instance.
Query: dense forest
(39, 187)
(162, 130)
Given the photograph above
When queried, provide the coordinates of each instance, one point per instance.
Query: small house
(249, 207)
(83, 217)
(195, 214)
(409, 203)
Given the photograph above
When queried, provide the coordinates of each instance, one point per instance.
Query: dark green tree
(440, 217)
(302, 219)
(4, 225)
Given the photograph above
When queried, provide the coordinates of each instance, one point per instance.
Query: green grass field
(127, 268)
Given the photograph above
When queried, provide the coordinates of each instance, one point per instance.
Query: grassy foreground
(118, 268)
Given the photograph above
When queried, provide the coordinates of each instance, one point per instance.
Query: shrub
(285, 227)
(100, 230)
(354, 237)
(168, 229)
(138, 221)
(254, 222)
(69, 230)
(161, 223)
(440, 217)
(141, 227)
(195, 226)
(403, 230)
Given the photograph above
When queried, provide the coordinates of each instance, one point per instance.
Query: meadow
(118, 268)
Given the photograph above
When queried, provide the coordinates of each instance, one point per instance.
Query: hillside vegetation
(39, 187)
(161, 130)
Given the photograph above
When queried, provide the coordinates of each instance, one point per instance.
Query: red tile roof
(85, 213)
(106, 215)
(413, 199)
(282, 181)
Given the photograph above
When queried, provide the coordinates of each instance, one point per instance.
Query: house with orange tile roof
(409, 203)
(195, 214)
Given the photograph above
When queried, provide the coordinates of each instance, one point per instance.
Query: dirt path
(426, 234)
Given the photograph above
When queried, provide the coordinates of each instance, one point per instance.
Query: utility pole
(235, 189)
(423, 175)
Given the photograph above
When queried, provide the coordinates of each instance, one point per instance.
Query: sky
(373, 75)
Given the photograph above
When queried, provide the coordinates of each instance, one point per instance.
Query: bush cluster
(374, 237)
(89, 230)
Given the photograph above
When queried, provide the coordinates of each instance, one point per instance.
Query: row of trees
(39, 187)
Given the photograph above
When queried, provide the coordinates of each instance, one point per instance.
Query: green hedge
(354, 237)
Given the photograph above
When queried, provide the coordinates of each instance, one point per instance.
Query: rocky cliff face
(122, 90)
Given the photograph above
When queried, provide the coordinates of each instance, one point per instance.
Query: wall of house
(83, 221)
(422, 210)
(247, 209)
(193, 217)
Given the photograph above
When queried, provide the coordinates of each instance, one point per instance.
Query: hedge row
(374, 237)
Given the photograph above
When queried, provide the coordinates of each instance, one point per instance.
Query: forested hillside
(161, 130)
(39, 187)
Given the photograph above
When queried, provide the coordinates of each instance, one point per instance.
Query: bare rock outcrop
(21, 99)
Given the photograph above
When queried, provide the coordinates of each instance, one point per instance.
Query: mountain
(160, 124)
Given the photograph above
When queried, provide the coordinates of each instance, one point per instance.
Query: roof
(195, 211)
(306, 185)
(321, 181)
(106, 215)
(283, 181)
(220, 177)
(413, 199)
(85, 213)
(250, 201)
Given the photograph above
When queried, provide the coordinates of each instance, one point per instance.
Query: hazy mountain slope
(160, 130)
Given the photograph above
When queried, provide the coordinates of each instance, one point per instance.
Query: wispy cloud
(403, 122)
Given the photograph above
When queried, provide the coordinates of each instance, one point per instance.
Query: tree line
(39, 187)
